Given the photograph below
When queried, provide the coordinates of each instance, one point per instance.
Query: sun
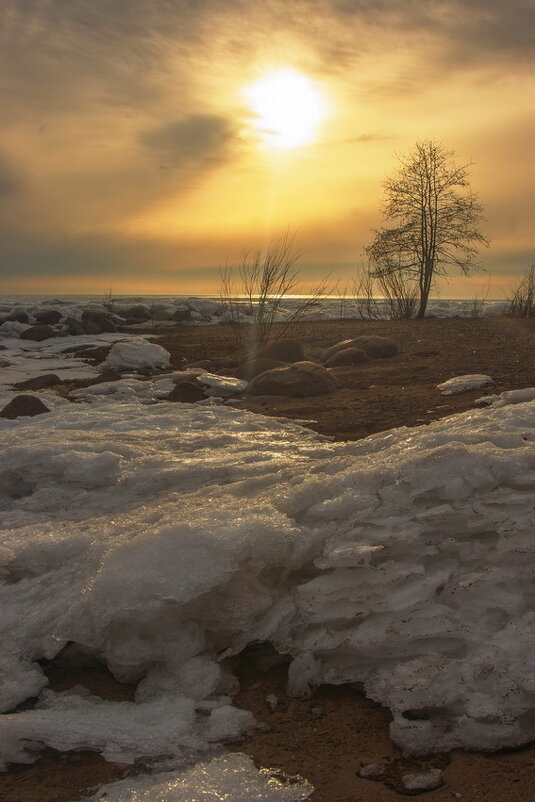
(288, 108)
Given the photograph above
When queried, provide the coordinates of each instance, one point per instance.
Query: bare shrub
(266, 278)
(386, 294)
(522, 302)
(477, 303)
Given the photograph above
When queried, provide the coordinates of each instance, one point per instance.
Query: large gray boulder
(189, 391)
(347, 356)
(282, 350)
(37, 333)
(248, 370)
(376, 347)
(299, 380)
(92, 318)
(48, 316)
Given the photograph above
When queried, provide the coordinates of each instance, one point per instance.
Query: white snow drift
(163, 538)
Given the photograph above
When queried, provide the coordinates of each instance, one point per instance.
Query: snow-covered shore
(163, 538)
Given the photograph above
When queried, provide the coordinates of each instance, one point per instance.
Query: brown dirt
(328, 737)
(399, 391)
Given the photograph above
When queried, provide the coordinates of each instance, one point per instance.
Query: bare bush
(477, 303)
(266, 278)
(386, 295)
(522, 302)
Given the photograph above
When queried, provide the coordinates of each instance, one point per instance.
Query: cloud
(199, 141)
(11, 182)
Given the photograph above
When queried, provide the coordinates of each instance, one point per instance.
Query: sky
(139, 152)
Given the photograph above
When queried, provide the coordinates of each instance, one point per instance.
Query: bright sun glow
(288, 108)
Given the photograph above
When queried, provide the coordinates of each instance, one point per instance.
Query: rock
(371, 771)
(375, 347)
(74, 327)
(188, 390)
(248, 370)
(18, 315)
(283, 350)
(103, 321)
(37, 333)
(299, 380)
(205, 364)
(23, 406)
(137, 311)
(92, 328)
(162, 312)
(425, 781)
(48, 316)
(181, 315)
(38, 382)
(347, 356)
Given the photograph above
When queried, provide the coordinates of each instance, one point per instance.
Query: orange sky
(132, 155)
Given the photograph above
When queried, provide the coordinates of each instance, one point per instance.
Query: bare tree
(434, 219)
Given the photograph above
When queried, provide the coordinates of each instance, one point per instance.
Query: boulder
(181, 315)
(18, 315)
(282, 350)
(92, 328)
(347, 356)
(48, 316)
(374, 346)
(103, 321)
(23, 406)
(37, 333)
(38, 382)
(162, 312)
(298, 380)
(188, 391)
(137, 311)
(74, 327)
(248, 370)
(204, 364)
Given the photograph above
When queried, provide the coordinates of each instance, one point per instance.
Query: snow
(163, 538)
(461, 384)
(231, 777)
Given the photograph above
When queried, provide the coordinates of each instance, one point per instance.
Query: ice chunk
(461, 384)
(231, 777)
(138, 354)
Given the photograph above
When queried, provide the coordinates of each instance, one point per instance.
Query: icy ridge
(165, 538)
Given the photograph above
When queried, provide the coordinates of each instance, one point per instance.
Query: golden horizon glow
(288, 108)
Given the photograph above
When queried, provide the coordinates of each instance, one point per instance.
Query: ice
(138, 354)
(461, 384)
(222, 386)
(160, 538)
(508, 397)
(231, 777)
(24, 359)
